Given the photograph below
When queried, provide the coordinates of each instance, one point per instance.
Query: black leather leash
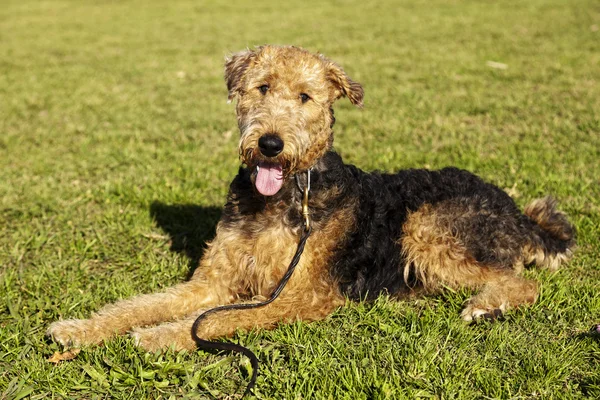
(209, 345)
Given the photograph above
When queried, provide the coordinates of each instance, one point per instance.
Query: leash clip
(305, 190)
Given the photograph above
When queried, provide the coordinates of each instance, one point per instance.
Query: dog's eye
(264, 89)
(304, 97)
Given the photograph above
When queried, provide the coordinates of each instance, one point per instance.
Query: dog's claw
(471, 314)
(69, 333)
(74, 332)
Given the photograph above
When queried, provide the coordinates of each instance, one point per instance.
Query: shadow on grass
(189, 227)
(590, 385)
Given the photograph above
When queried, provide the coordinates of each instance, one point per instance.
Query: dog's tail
(552, 235)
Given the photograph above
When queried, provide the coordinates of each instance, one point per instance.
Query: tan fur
(544, 213)
(537, 256)
(288, 71)
(310, 293)
(439, 259)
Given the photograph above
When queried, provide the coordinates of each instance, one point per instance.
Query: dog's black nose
(270, 145)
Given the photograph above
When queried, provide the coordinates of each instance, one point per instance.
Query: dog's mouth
(269, 178)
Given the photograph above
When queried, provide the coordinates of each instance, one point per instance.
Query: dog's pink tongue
(269, 178)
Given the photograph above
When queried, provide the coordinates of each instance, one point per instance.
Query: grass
(117, 147)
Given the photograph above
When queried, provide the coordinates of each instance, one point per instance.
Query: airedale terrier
(373, 233)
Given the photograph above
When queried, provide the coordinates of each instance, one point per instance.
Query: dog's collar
(305, 190)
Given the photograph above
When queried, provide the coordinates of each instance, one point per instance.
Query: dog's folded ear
(345, 86)
(235, 69)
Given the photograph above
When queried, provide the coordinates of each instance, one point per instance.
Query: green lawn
(117, 148)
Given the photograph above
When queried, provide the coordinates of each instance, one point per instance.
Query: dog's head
(284, 109)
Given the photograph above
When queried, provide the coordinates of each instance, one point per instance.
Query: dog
(412, 232)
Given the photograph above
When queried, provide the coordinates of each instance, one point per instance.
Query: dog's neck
(295, 183)
(328, 188)
(328, 191)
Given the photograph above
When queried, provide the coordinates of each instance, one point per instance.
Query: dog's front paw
(71, 332)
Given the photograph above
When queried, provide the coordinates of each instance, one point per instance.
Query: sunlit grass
(117, 148)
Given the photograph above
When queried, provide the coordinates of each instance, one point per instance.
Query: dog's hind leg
(464, 243)
(498, 295)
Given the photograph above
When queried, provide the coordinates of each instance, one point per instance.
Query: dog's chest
(266, 252)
